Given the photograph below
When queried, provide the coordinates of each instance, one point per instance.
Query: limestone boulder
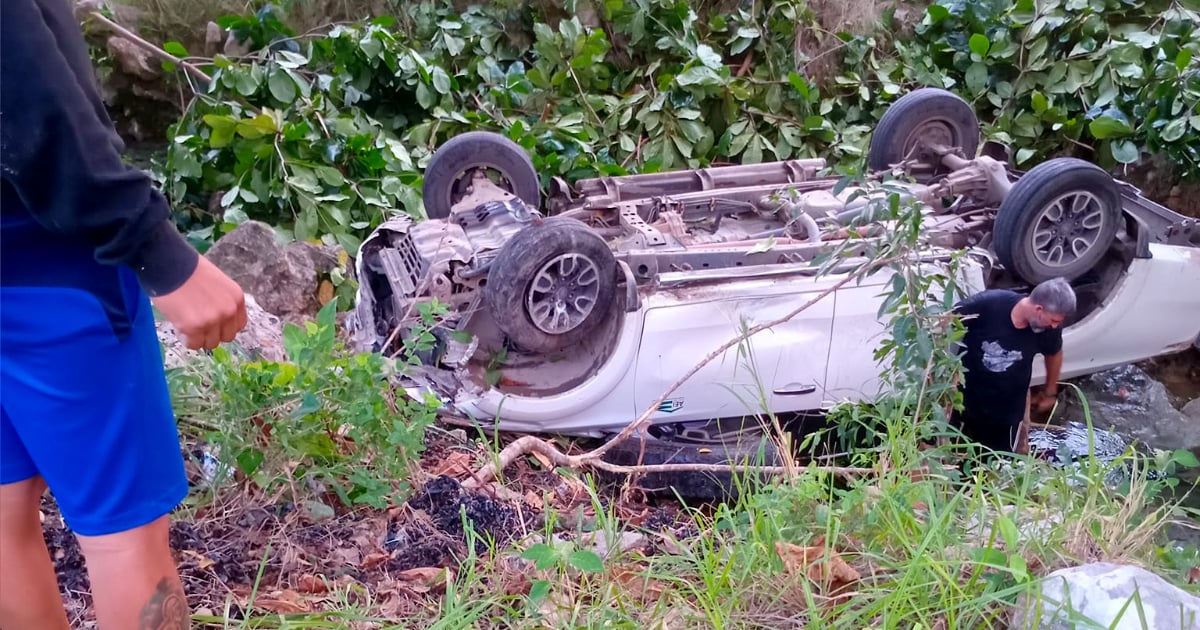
(283, 278)
(1106, 595)
(262, 338)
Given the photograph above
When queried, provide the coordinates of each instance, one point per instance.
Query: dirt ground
(396, 554)
(1179, 372)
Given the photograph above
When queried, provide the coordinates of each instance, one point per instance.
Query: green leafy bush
(330, 140)
(1118, 75)
(327, 416)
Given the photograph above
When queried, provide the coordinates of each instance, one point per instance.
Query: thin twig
(198, 423)
(652, 407)
(583, 97)
(151, 48)
(745, 67)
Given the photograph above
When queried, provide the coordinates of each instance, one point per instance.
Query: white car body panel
(829, 346)
(673, 330)
(1154, 310)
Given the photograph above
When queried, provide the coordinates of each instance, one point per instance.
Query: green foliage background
(325, 135)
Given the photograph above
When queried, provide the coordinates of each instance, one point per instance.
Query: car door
(779, 369)
(858, 331)
(859, 328)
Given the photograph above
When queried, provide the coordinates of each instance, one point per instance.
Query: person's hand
(1044, 401)
(208, 309)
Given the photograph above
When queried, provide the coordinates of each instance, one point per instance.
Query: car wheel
(1057, 220)
(929, 115)
(454, 164)
(551, 285)
(714, 484)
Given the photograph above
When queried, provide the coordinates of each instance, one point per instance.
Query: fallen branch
(151, 48)
(745, 67)
(529, 444)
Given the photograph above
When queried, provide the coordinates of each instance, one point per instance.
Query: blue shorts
(84, 403)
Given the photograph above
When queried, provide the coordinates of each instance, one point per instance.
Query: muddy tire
(552, 285)
(715, 484)
(932, 114)
(450, 168)
(1059, 219)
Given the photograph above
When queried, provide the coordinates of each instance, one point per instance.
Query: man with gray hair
(1004, 330)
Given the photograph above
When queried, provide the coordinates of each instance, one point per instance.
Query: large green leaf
(1105, 127)
(282, 87)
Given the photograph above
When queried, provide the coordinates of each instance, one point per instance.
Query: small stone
(213, 37)
(1192, 410)
(234, 48)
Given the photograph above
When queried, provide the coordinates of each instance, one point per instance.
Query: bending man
(1004, 331)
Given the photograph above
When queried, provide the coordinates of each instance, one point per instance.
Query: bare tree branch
(151, 48)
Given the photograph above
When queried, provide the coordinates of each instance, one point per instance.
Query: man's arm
(59, 157)
(1053, 369)
(57, 153)
(1053, 358)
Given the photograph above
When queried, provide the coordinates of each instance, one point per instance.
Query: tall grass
(944, 550)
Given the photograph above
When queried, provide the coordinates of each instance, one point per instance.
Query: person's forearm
(1053, 369)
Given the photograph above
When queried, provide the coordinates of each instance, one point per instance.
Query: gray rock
(1192, 410)
(135, 61)
(213, 36)
(261, 338)
(1093, 596)
(283, 278)
(1130, 402)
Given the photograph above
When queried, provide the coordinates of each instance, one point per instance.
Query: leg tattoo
(166, 610)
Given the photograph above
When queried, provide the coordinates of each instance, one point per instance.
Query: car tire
(1058, 220)
(714, 484)
(471, 150)
(546, 264)
(925, 112)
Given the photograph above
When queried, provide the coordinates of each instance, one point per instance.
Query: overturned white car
(572, 314)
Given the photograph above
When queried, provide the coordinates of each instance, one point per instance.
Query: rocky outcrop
(1192, 411)
(1130, 402)
(134, 60)
(283, 278)
(262, 338)
(1102, 595)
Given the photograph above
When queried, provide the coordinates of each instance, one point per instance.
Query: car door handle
(795, 389)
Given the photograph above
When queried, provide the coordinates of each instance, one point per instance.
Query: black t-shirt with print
(998, 357)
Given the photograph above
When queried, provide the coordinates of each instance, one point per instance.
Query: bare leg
(28, 587)
(135, 582)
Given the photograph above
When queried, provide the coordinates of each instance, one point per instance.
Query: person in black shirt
(1004, 330)
(88, 252)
